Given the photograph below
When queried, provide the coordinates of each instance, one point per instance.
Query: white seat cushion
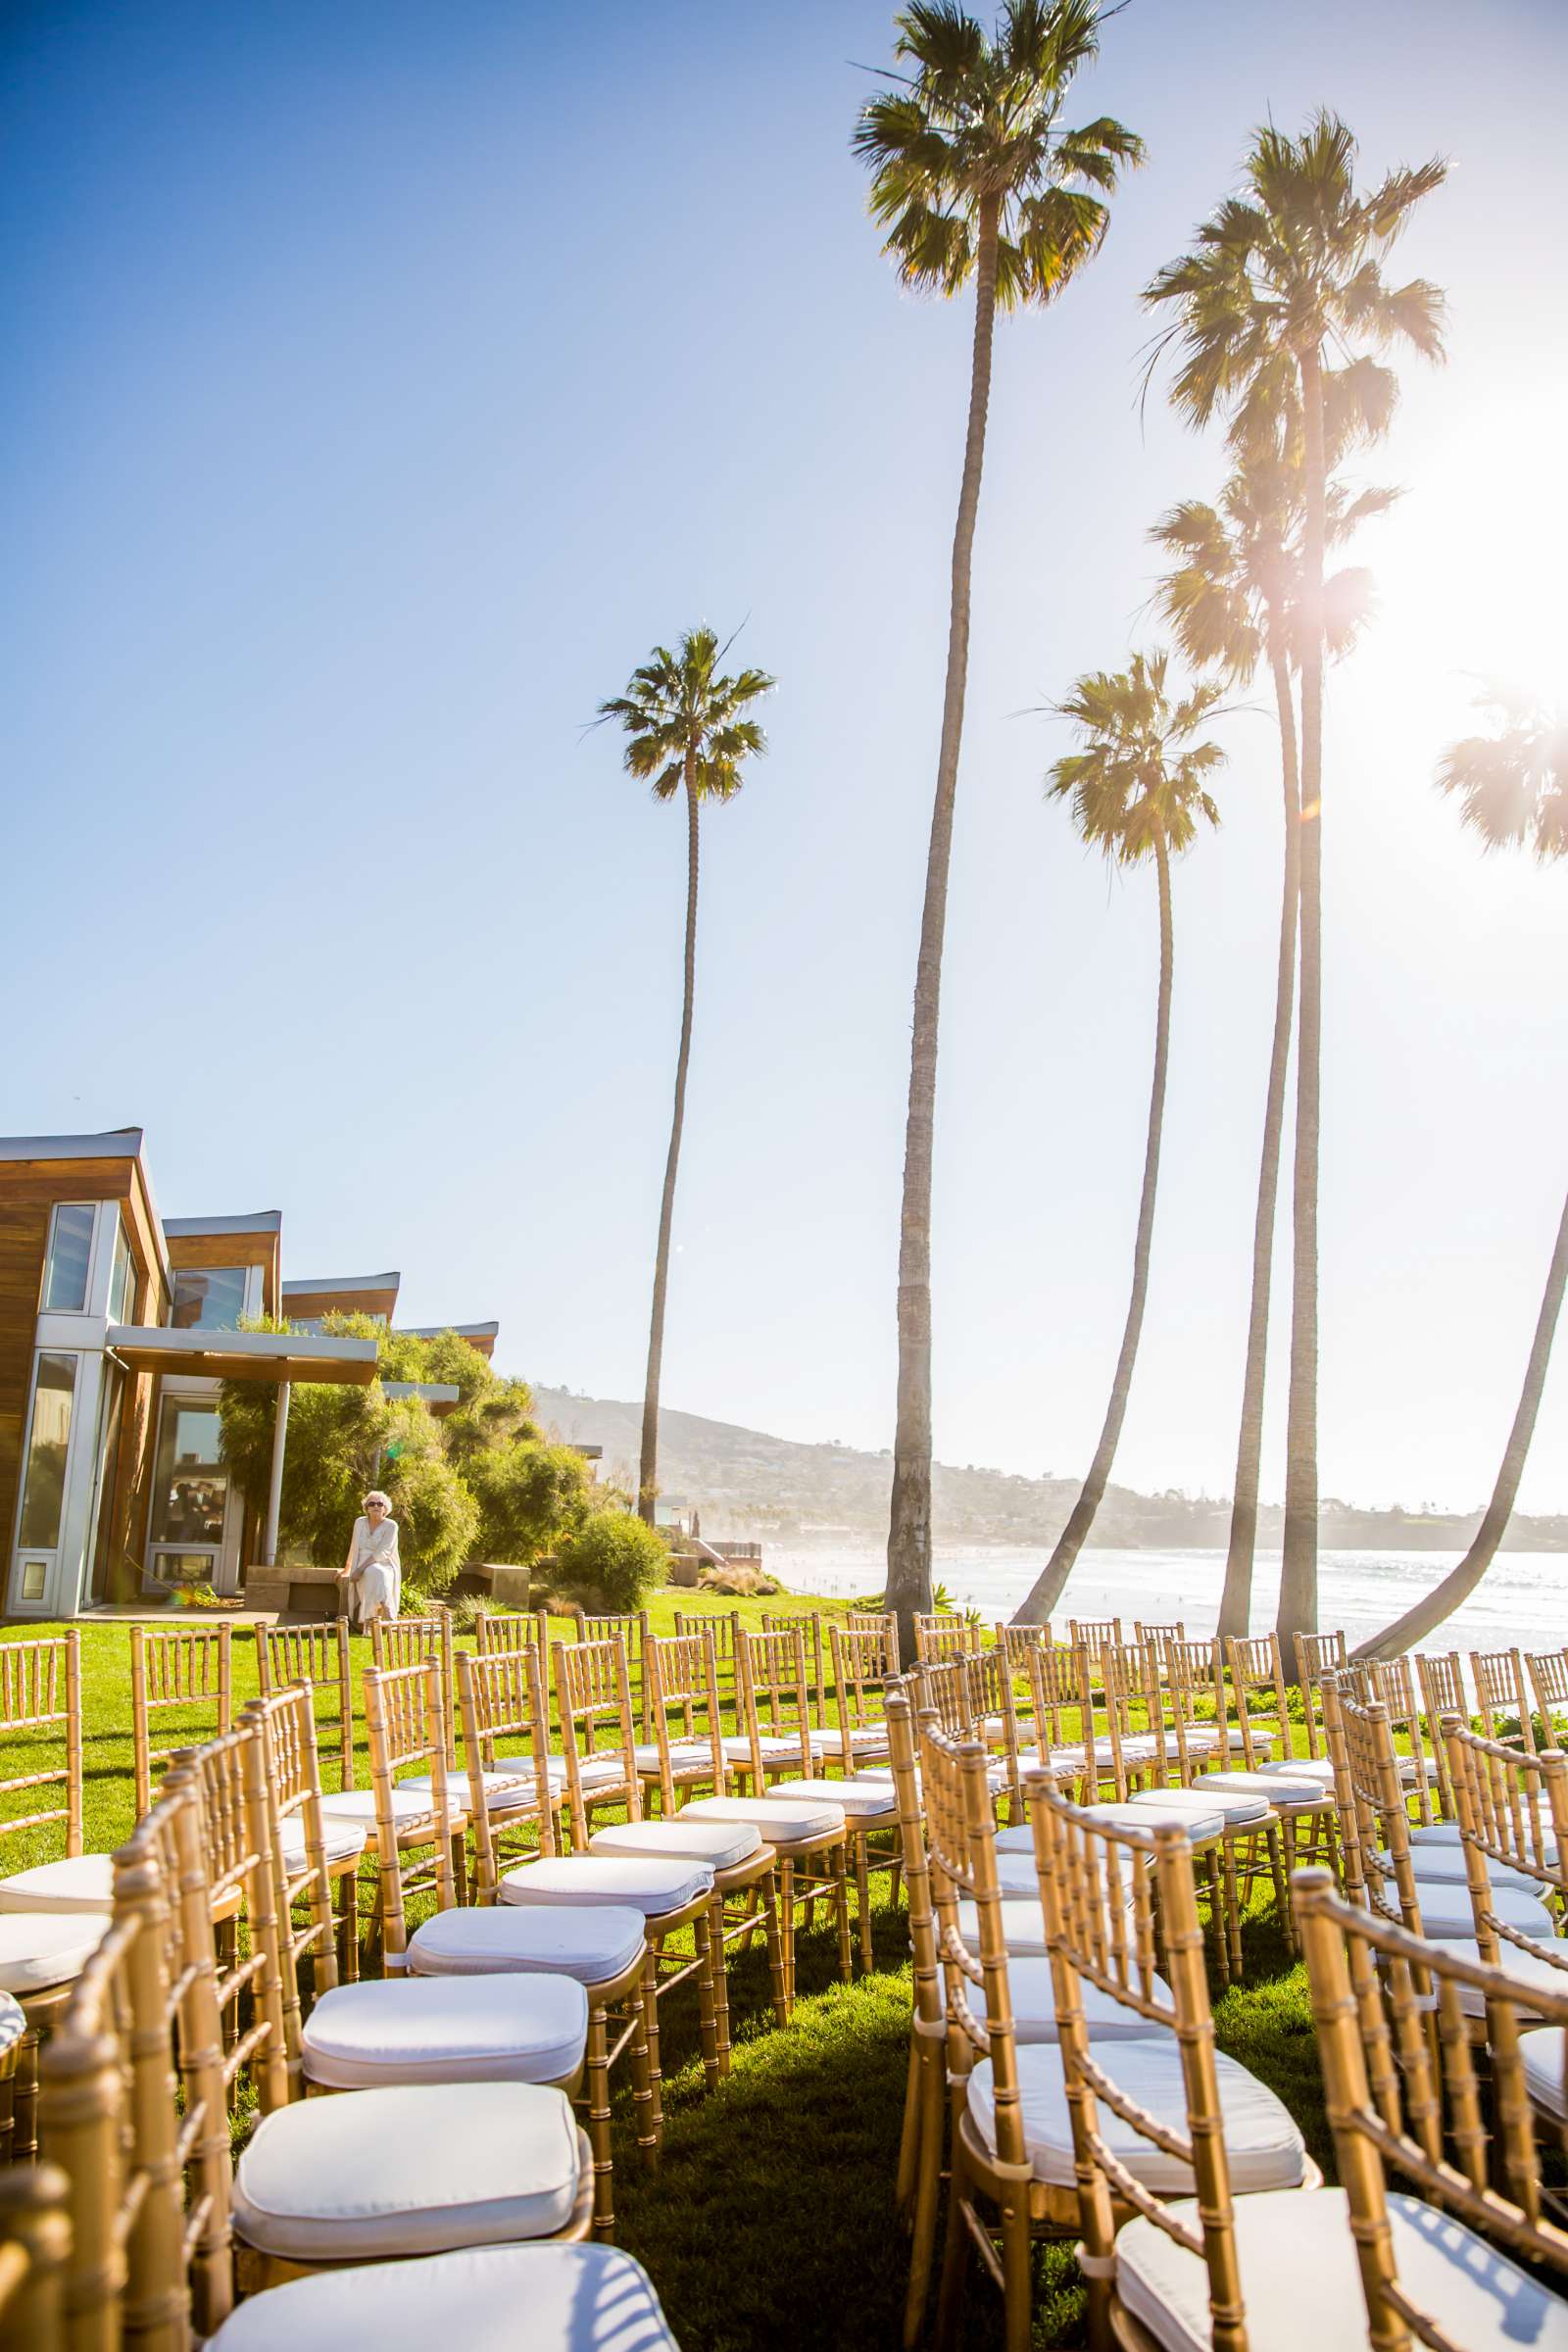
(685, 1755)
(408, 1804)
(576, 2298)
(775, 1750)
(1541, 2053)
(341, 1840)
(1445, 1910)
(1017, 1838)
(81, 1883)
(40, 1948)
(1524, 1967)
(409, 2171)
(1034, 2007)
(1446, 1864)
(1240, 1807)
(783, 1822)
(721, 1844)
(1302, 2281)
(866, 1740)
(504, 1792)
(491, 2028)
(1446, 1834)
(1023, 1927)
(1287, 1792)
(592, 1942)
(1150, 1815)
(1264, 2148)
(859, 1800)
(1306, 1767)
(651, 1887)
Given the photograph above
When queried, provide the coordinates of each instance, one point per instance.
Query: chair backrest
(501, 1697)
(810, 1620)
(629, 1627)
(1548, 1670)
(865, 1660)
(993, 1712)
(1015, 1642)
(1154, 1636)
(1316, 1654)
(1257, 1673)
(943, 1687)
(593, 1706)
(930, 2004)
(1392, 1683)
(1060, 1697)
(403, 1717)
(235, 1818)
(34, 2249)
(188, 1667)
(286, 1720)
(774, 1700)
(40, 1708)
(721, 1624)
(1380, 1866)
(1099, 1885)
(1134, 1702)
(1513, 1811)
(1501, 1695)
(316, 1655)
(1440, 1679)
(1092, 1633)
(971, 1929)
(497, 1629)
(1421, 2112)
(683, 1683)
(1195, 1684)
(940, 1634)
(132, 2106)
(398, 1643)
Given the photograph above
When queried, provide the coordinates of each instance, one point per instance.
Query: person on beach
(372, 1569)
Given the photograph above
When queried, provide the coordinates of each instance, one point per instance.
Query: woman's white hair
(375, 1496)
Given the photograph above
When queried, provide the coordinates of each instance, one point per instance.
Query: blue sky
(384, 380)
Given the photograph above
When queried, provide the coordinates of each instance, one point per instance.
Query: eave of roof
(260, 1220)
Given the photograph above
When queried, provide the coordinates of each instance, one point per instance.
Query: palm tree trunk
(1236, 1600)
(1416, 1624)
(1298, 1606)
(648, 1467)
(908, 1585)
(1048, 1586)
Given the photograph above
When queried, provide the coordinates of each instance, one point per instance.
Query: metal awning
(441, 1396)
(267, 1356)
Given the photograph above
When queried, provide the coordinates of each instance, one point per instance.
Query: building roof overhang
(260, 1220)
(319, 1289)
(265, 1355)
(440, 1396)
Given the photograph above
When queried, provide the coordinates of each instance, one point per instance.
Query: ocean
(1522, 1600)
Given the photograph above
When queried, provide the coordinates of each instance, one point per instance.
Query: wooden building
(117, 1326)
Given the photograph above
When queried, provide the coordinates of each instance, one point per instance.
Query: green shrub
(437, 1519)
(614, 1555)
(527, 1493)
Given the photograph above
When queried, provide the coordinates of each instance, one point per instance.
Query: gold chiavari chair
(1154, 1636)
(1093, 1633)
(1015, 1642)
(316, 1655)
(739, 1859)
(418, 1830)
(1514, 1821)
(810, 1620)
(314, 1862)
(1411, 1885)
(1502, 1701)
(13, 2035)
(630, 1628)
(923, 2139)
(186, 1667)
(1316, 1654)
(1548, 1670)
(1061, 1710)
(1390, 1683)
(721, 1624)
(498, 1631)
(34, 2248)
(1298, 1789)
(1439, 1680)
(942, 1634)
(1142, 2120)
(1133, 1703)
(53, 1914)
(1403, 2096)
(865, 1661)
(226, 1845)
(772, 1670)
(398, 1643)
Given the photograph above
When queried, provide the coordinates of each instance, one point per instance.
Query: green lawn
(770, 2219)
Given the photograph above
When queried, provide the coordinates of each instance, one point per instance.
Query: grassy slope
(771, 2219)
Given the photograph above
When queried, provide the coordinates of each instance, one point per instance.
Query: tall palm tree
(1284, 275)
(1138, 796)
(974, 177)
(1232, 602)
(1512, 787)
(686, 732)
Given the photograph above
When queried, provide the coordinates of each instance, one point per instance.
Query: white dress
(376, 1573)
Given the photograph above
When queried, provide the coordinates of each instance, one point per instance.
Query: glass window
(44, 1489)
(209, 1297)
(191, 1485)
(33, 1575)
(65, 1277)
(120, 1274)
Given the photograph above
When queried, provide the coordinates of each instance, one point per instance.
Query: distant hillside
(745, 1484)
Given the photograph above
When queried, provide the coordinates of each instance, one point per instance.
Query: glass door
(189, 1540)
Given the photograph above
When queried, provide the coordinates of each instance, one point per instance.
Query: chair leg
(782, 2008)
(1281, 1853)
(706, 2005)
(1233, 1915)
(841, 1905)
(1016, 2287)
(787, 1928)
(24, 2100)
(956, 2243)
(719, 1950)
(862, 1894)
(642, 2089)
(655, 2080)
(909, 2134)
(597, 2086)
(930, 2119)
